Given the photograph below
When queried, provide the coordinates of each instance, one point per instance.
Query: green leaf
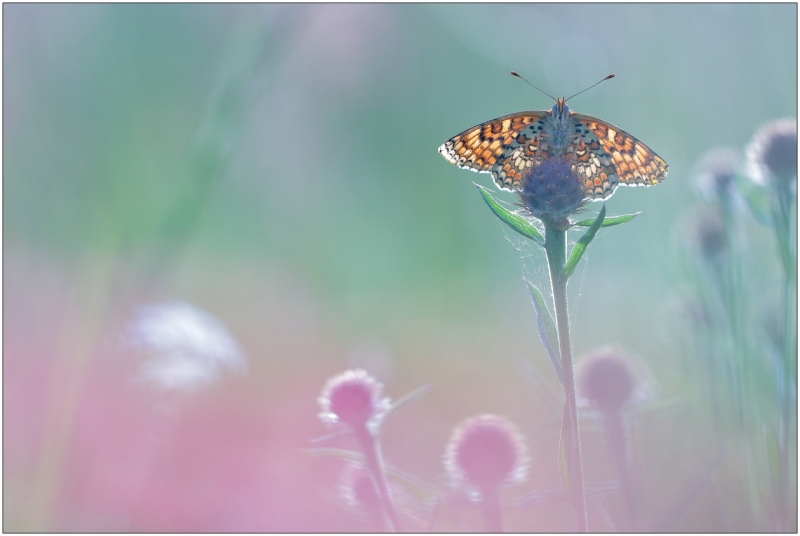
(583, 243)
(608, 222)
(513, 220)
(546, 328)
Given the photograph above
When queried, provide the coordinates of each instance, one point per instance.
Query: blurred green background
(276, 166)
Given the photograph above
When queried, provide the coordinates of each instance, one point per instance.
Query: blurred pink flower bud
(486, 451)
(606, 379)
(354, 398)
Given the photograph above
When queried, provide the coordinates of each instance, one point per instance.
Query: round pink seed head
(486, 451)
(352, 397)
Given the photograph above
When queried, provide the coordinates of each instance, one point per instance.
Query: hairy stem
(556, 249)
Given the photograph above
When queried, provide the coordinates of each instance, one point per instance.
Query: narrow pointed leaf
(583, 243)
(608, 222)
(546, 328)
(513, 220)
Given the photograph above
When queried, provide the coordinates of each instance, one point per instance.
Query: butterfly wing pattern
(602, 153)
(633, 162)
(483, 147)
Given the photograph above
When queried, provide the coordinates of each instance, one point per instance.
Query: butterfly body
(604, 155)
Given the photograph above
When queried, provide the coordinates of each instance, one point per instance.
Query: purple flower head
(709, 230)
(486, 451)
(354, 398)
(606, 379)
(715, 175)
(552, 189)
(773, 152)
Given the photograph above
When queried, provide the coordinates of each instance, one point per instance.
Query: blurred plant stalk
(784, 225)
(371, 448)
(107, 297)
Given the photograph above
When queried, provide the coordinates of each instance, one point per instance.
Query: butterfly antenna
(590, 87)
(515, 73)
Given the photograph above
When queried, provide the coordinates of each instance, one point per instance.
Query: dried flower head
(773, 152)
(709, 232)
(486, 451)
(715, 175)
(606, 379)
(354, 398)
(552, 189)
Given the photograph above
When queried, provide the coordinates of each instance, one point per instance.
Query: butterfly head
(560, 111)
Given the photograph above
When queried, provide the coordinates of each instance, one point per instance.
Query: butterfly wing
(604, 154)
(614, 157)
(489, 147)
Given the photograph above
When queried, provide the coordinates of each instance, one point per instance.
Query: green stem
(370, 446)
(556, 248)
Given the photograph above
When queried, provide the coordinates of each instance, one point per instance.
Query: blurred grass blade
(410, 396)
(515, 221)
(344, 454)
(756, 198)
(546, 328)
(563, 446)
(327, 437)
(410, 483)
(583, 243)
(608, 222)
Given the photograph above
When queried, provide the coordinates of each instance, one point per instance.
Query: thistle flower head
(606, 379)
(486, 451)
(354, 398)
(709, 232)
(552, 189)
(715, 175)
(773, 152)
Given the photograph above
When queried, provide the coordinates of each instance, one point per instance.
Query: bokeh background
(210, 209)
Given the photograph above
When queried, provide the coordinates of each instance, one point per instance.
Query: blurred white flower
(186, 348)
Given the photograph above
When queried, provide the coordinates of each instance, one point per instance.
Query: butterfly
(604, 155)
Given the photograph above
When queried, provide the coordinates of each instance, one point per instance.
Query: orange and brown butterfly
(604, 155)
